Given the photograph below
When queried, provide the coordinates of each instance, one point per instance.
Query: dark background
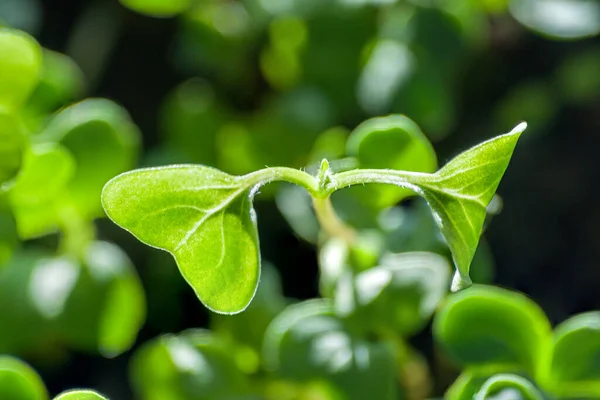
(546, 241)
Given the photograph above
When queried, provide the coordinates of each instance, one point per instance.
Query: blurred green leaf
(12, 145)
(533, 101)
(204, 217)
(158, 8)
(390, 64)
(578, 77)
(401, 293)
(105, 307)
(21, 14)
(20, 66)
(191, 118)
(194, 365)
(306, 342)
(394, 142)
(466, 386)
(508, 386)
(559, 19)
(104, 142)
(18, 381)
(46, 171)
(97, 306)
(18, 310)
(80, 394)
(575, 365)
(459, 193)
(61, 81)
(248, 328)
(295, 204)
(485, 325)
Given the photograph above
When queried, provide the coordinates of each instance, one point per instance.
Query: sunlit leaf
(194, 365)
(562, 19)
(20, 66)
(575, 367)
(459, 193)
(203, 217)
(18, 381)
(80, 394)
(46, 170)
(484, 325)
(104, 142)
(307, 342)
(394, 142)
(158, 8)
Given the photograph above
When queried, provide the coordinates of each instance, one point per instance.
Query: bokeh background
(248, 83)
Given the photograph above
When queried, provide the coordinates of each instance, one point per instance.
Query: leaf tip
(519, 129)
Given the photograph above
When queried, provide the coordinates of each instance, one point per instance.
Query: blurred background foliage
(245, 84)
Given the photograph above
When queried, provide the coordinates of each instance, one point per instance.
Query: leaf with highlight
(459, 193)
(203, 217)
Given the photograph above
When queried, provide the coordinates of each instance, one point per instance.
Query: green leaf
(20, 66)
(307, 343)
(559, 19)
(508, 386)
(103, 307)
(18, 310)
(80, 394)
(12, 145)
(204, 218)
(104, 142)
(248, 328)
(575, 364)
(18, 381)
(61, 81)
(459, 193)
(158, 8)
(194, 365)
(401, 293)
(485, 325)
(394, 142)
(47, 168)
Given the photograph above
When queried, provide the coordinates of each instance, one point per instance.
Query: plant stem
(331, 222)
(403, 179)
(295, 176)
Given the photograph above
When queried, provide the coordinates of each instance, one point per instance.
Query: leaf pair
(204, 217)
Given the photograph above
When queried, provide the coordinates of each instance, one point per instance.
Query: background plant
(273, 91)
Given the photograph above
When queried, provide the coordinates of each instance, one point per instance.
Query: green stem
(295, 176)
(331, 222)
(403, 179)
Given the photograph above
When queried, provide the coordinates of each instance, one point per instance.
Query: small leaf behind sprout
(80, 394)
(459, 193)
(204, 218)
